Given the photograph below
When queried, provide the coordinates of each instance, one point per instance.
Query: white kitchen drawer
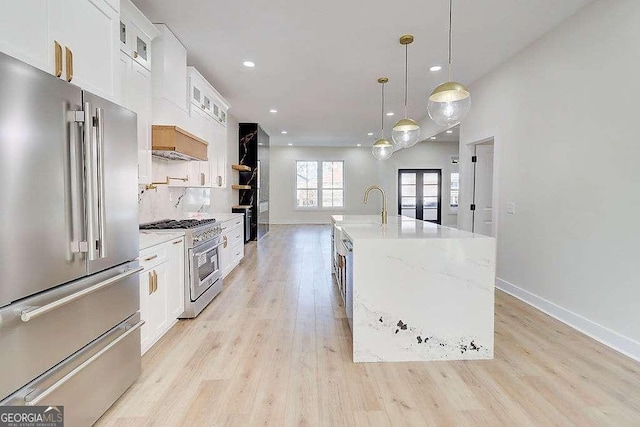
(153, 256)
(237, 251)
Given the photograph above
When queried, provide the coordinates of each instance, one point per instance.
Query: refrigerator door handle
(34, 400)
(33, 312)
(90, 183)
(76, 208)
(102, 214)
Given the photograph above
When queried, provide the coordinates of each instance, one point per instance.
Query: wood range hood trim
(174, 143)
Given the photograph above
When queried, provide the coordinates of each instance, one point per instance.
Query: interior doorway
(420, 194)
(482, 203)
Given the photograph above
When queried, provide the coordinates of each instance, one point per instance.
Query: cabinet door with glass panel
(420, 194)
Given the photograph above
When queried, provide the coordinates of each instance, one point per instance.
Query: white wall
(361, 170)
(563, 113)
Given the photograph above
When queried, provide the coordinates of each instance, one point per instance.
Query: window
(454, 187)
(319, 184)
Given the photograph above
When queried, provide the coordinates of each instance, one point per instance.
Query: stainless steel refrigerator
(69, 288)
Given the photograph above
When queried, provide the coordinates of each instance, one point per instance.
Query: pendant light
(382, 149)
(406, 132)
(449, 102)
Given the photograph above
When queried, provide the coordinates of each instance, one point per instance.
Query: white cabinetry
(169, 79)
(135, 94)
(161, 289)
(175, 299)
(232, 249)
(25, 34)
(85, 30)
(89, 29)
(135, 89)
(136, 34)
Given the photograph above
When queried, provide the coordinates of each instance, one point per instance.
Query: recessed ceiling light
(449, 131)
(284, 132)
(289, 144)
(273, 111)
(433, 137)
(370, 134)
(358, 145)
(390, 113)
(249, 64)
(435, 68)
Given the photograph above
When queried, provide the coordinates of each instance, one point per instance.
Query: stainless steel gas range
(203, 275)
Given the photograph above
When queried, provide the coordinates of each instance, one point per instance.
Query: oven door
(204, 267)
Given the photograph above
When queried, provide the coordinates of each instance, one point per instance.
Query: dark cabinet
(253, 150)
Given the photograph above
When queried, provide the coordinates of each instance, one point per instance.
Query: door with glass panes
(420, 194)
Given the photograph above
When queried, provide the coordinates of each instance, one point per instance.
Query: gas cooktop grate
(173, 224)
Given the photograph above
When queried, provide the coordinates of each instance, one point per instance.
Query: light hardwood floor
(273, 349)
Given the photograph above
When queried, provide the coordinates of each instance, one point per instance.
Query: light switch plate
(511, 208)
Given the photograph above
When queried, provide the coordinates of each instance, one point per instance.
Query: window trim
(319, 189)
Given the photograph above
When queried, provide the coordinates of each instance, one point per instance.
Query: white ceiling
(317, 62)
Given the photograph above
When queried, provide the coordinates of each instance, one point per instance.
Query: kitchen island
(416, 291)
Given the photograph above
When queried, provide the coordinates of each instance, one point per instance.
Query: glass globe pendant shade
(382, 149)
(449, 103)
(405, 134)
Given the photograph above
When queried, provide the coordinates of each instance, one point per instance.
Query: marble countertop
(220, 216)
(226, 216)
(369, 227)
(152, 238)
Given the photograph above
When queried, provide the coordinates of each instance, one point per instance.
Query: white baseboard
(606, 336)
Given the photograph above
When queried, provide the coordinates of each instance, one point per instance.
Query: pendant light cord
(406, 78)
(382, 113)
(450, 25)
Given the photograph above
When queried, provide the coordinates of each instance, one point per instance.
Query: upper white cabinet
(169, 71)
(74, 39)
(135, 88)
(24, 32)
(204, 97)
(88, 30)
(208, 111)
(136, 34)
(135, 82)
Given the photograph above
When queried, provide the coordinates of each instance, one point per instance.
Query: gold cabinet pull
(202, 178)
(155, 281)
(69, 55)
(58, 59)
(151, 257)
(150, 283)
(177, 241)
(224, 238)
(135, 54)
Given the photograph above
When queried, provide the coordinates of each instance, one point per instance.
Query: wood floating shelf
(243, 168)
(241, 187)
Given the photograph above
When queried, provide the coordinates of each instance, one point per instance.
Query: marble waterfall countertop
(152, 238)
(420, 291)
(359, 227)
